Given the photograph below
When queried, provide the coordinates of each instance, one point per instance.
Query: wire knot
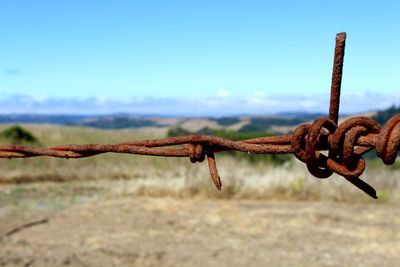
(307, 142)
(345, 156)
(196, 153)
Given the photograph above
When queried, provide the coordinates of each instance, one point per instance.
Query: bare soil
(143, 231)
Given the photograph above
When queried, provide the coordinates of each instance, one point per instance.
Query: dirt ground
(143, 231)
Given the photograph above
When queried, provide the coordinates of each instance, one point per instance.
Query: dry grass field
(126, 210)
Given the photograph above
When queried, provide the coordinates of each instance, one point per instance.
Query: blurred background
(112, 71)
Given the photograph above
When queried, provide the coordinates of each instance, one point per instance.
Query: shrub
(383, 115)
(17, 135)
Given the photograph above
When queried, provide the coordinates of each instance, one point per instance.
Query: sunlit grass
(123, 174)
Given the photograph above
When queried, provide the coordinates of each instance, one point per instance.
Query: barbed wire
(325, 146)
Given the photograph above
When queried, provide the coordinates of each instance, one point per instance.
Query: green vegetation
(118, 122)
(383, 115)
(18, 135)
(234, 135)
(261, 124)
(225, 121)
(177, 131)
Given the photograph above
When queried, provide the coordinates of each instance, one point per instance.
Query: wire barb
(337, 76)
(346, 143)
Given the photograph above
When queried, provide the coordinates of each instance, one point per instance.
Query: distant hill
(283, 123)
(39, 118)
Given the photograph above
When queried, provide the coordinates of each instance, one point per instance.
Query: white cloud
(218, 106)
(224, 93)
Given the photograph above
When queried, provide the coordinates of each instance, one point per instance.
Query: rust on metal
(337, 76)
(346, 143)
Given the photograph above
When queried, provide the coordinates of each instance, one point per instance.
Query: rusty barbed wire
(345, 143)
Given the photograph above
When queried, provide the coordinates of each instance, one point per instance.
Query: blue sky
(187, 50)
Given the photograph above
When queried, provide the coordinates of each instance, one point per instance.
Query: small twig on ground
(27, 225)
